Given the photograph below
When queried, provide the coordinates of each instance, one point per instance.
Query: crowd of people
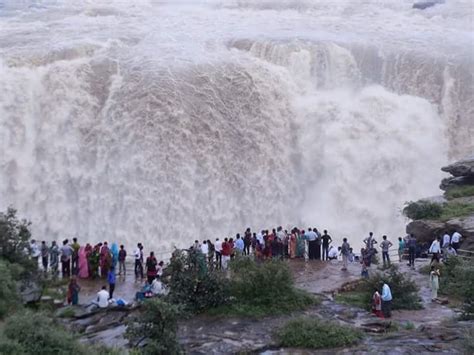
(275, 243)
(102, 261)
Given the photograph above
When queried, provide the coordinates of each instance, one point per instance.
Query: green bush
(404, 291)
(9, 300)
(155, 327)
(192, 285)
(459, 191)
(422, 210)
(455, 209)
(14, 238)
(34, 333)
(457, 279)
(316, 334)
(266, 288)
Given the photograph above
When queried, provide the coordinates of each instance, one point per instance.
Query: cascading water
(167, 122)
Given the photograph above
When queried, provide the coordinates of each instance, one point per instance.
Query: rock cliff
(459, 192)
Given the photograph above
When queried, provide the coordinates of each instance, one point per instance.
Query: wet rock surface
(463, 167)
(218, 335)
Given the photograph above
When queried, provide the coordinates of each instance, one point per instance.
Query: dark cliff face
(459, 190)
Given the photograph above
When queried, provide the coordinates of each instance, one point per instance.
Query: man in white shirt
(205, 248)
(138, 254)
(102, 298)
(218, 249)
(311, 237)
(435, 249)
(446, 240)
(332, 253)
(386, 300)
(455, 240)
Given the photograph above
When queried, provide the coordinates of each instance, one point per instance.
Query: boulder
(451, 182)
(421, 5)
(29, 291)
(463, 167)
(426, 230)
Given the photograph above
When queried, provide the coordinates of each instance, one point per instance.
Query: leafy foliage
(262, 289)
(457, 279)
(192, 285)
(30, 332)
(423, 210)
(437, 211)
(8, 295)
(404, 291)
(157, 322)
(459, 191)
(316, 334)
(14, 238)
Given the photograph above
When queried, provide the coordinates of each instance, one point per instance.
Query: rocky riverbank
(429, 329)
(458, 199)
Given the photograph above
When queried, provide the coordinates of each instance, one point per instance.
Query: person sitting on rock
(102, 298)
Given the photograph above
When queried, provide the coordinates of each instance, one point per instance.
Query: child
(377, 304)
(111, 281)
(73, 291)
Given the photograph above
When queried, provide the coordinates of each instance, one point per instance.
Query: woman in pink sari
(83, 264)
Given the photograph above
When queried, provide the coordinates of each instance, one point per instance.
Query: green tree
(154, 329)
(14, 238)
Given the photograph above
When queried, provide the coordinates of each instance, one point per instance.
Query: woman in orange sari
(293, 245)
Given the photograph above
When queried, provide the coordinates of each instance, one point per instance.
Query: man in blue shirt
(386, 300)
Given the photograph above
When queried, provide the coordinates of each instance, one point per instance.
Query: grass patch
(456, 209)
(409, 326)
(459, 191)
(437, 211)
(316, 334)
(353, 298)
(300, 300)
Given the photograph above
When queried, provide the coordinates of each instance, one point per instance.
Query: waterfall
(152, 123)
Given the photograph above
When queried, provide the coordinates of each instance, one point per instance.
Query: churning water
(167, 121)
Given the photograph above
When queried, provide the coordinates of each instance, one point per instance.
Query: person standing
(401, 248)
(73, 291)
(210, 254)
(151, 264)
(35, 252)
(326, 238)
(218, 250)
(317, 245)
(54, 258)
(239, 245)
(455, 240)
(111, 281)
(138, 254)
(205, 248)
(226, 251)
(411, 250)
(434, 281)
(377, 304)
(75, 256)
(122, 255)
(83, 264)
(247, 241)
(44, 256)
(345, 251)
(386, 300)
(66, 253)
(435, 249)
(311, 237)
(385, 245)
